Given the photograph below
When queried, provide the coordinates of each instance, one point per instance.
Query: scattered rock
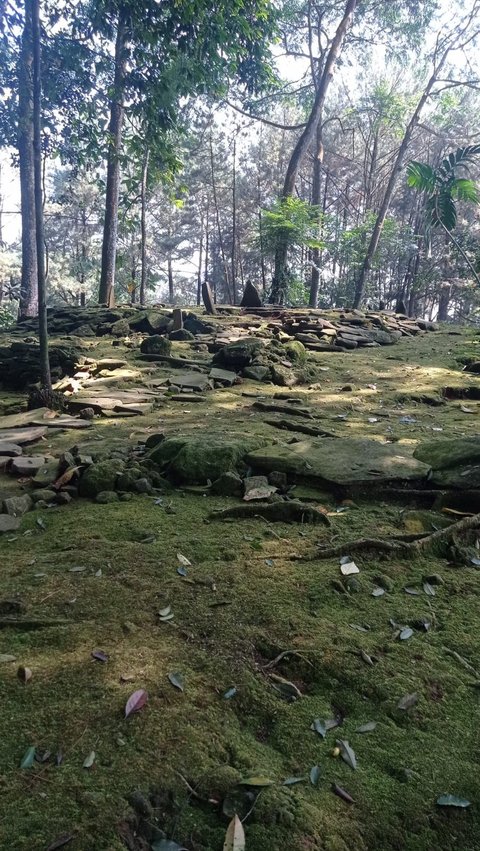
(251, 296)
(257, 487)
(46, 474)
(239, 354)
(223, 376)
(8, 523)
(282, 376)
(181, 335)
(99, 477)
(104, 497)
(156, 345)
(257, 372)
(17, 506)
(228, 484)
(13, 450)
(191, 381)
(27, 465)
(44, 494)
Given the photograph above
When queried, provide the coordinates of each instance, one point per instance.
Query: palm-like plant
(443, 187)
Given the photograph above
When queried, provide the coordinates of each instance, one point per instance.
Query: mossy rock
(100, 477)
(238, 354)
(156, 345)
(195, 459)
(295, 351)
(445, 454)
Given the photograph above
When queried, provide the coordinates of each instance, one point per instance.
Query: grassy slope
(76, 705)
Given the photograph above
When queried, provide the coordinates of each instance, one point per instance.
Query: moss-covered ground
(245, 600)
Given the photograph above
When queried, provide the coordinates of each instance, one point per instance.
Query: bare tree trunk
(200, 263)
(316, 199)
(34, 10)
(143, 226)
(109, 245)
(305, 141)
(28, 288)
(171, 296)
(382, 214)
(234, 219)
(219, 229)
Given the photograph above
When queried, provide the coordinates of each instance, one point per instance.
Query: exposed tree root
(281, 512)
(426, 542)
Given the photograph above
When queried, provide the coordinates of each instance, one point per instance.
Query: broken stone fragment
(27, 466)
(8, 523)
(17, 506)
(228, 484)
(156, 345)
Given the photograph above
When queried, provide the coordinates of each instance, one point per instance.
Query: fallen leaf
(28, 758)
(99, 655)
(182, 571)
(41, 523)
(366, 658)
(89, 760)
(467, 410)
(24, 674)
(475, 561)
(235, 836)
(292, 781)
(177, 680)
(319, 727)
(184, 560)
(413, 591)
(378, 592)
(358, 627)
(127, 678)
(231, 692)
(337, 790)
(256, 780)
(429, 589)
(136, 701)
(452, 801)
(347, 753)
(315, 774)
(405, 633)
(61, 841)
(369, 727)
(78, 569)
(408, 701)
(7, 657)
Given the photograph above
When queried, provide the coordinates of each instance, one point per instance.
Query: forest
(239, 452)
(273, 146)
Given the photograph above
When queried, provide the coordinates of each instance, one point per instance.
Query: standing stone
(251, 296)
(208, 298)
(177, 319)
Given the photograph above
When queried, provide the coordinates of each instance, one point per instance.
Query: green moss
(247, 599)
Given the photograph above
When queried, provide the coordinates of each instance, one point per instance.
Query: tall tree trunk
(34, 10)
(219, 229)
(382, 214)
(234, 220)
(117, 110)
(304, 143)
(143, 226)
(200, 262)
(316, 200)
(28, 289)
(171, 296)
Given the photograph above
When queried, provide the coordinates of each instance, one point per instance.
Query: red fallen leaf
(61, 841)
(337, 790)
(127, 678)
(99, 655)
(136, 701)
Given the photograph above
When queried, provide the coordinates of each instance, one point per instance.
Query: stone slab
(23, 436)
(339, 461)
(27, 466)
(11, 449)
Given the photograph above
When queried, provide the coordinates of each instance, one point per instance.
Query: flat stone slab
(191, 380)
(23, 436)
(223, 376)
(340, 461)
(64, 421)
(8, 523)
(11, 449)
(16, 506)
(27, 466)
(444, 454)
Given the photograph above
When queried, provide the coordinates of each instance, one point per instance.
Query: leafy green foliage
(292, 220)
(442, 186)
